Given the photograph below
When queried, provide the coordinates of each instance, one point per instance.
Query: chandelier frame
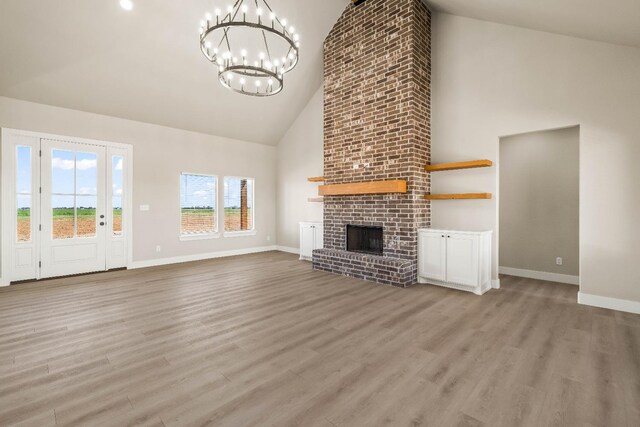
(266, 67)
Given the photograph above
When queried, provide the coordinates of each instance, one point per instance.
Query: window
(117, 167)
(198, 204)
(238, 204)
(23, 193)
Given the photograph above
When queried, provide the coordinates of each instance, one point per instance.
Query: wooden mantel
(371, 187)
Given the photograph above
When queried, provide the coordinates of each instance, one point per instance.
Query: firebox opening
(364, 239)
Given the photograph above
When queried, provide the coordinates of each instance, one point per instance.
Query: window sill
(240, 233)
(189, 237)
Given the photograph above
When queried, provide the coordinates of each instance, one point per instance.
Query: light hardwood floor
(264, 340)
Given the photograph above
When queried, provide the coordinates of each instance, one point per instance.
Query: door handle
(102, 223)
(101, 216)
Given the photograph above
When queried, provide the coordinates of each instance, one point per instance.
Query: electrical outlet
(559, 261)
(158, 248)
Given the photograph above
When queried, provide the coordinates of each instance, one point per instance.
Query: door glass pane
(63, 224)
(23, 178)
(63, 172)
(117, 216)
(117, 166)
(24, 218)
(86, 173)
(23, 193)
(86, 216)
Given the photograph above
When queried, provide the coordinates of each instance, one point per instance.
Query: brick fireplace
(377, 128)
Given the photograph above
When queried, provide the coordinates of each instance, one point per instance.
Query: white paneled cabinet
(311, 237)
(455, 259)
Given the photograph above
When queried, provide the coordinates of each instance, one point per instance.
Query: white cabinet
(455, 259)
(435, 265)
(311, 237)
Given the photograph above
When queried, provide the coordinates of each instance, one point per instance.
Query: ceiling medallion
(251, 47)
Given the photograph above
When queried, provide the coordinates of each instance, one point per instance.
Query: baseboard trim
(610, 303)
(541, 275)
(288, 249)
(199, 257)
(495, 283)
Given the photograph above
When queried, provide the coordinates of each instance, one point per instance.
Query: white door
(307, 232)
(462, 259)
(73, 202)
(432, 255)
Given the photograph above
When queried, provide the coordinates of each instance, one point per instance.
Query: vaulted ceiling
(145, 64)
(611, 21)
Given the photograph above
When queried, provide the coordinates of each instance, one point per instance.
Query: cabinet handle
(448, 237)
(443, 235)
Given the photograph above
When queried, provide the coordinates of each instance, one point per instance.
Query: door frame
(8, 142)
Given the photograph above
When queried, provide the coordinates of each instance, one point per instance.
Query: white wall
(160, 155)
(492, 80)
(300, 155)
(539, 201)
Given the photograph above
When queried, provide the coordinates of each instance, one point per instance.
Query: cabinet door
(306, 241)
(432, 256)
(462, 259)
(318, 242)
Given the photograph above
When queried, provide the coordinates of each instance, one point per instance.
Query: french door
(73, 208)
(66, 205)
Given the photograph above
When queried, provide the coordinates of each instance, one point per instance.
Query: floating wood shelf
(316, 179)
(458, 196)
(372, 187)
(459, 165)
(316, 199)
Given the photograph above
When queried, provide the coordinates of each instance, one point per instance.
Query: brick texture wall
(377, 121)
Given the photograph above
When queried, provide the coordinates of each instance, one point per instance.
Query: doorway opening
(539, 205)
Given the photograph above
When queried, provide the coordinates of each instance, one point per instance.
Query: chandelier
(251, 47)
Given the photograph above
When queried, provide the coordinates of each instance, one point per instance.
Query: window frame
(206, 235)
(241, 233)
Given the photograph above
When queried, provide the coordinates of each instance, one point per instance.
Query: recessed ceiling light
(126, 4)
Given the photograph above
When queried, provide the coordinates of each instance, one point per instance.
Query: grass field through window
(202, 220)
(194, 220)
(63, 222)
